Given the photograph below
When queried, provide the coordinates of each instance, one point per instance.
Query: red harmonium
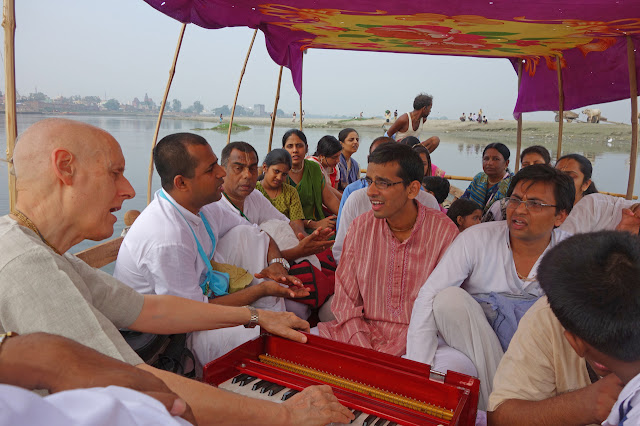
(372, 384)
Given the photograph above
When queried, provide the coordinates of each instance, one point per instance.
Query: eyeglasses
(380, 184)
(531, 205)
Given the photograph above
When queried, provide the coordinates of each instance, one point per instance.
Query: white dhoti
(463, 325)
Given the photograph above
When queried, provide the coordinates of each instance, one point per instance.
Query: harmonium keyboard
(381, 389)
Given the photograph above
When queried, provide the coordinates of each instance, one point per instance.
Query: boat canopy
(588, 38)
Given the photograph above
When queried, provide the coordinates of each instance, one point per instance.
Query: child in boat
(464, 213)
(592, 282)
(438, 187)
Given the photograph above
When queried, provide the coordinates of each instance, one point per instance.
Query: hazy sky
(124, 48)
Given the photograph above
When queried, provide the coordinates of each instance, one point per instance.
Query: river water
(458, 154)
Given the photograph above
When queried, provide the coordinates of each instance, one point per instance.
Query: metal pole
(244, 67)
(560, 107)
(10, 117)
(172, 71)
(275, 110)
(519, 132)
(633, 88)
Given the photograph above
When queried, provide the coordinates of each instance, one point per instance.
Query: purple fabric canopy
(589, 36)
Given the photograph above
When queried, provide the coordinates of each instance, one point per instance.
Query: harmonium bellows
(380, 389)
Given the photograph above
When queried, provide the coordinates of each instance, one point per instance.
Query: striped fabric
(480, 192)
(378, 279)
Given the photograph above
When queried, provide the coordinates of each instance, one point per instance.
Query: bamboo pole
(10, 117)
(301, 64)
(560, 107)
(519, 131)
(633, 88)
(172, 71)
(275, 109)
(235, 101)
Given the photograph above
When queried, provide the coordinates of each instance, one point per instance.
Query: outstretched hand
(630, 220)
(283, 324)
(272, 288)
(317, 242)
(278, 273)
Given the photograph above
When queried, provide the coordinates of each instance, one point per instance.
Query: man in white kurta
(596, 212)
(484, 261)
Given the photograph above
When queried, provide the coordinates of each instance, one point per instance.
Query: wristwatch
(282, 261)
(253, 321)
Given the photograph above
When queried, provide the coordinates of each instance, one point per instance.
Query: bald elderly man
(70, 181)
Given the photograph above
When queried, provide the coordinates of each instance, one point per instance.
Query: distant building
(259, 110)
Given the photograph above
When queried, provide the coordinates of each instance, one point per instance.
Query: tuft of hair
(171, 157)
(439, 186)
(593, 285)
(296, 132)
(422, 100)
(327, 146)
(564, 189)
(410, 140)
(379, 141)
(240, 146)
(586, 168)
(462, 207)
(342, 136)
(500, 147)
(277, 156)
(411, 167)
(537, 149)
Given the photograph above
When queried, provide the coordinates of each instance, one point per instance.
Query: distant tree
(224, 110)
(38, 96)
(177, 105)
(197, 107)
(91, 99)
(280, 113)
(112, 105)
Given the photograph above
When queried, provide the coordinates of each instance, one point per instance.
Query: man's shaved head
(32, 157)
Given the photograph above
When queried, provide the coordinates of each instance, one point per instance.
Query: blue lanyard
(216, 283)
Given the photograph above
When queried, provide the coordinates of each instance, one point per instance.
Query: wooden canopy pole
(10, 117)
(633, 88)
(519, 132)
(301, 63)
(244, 67)
(560, 107)
(172, 71)
(275, 109)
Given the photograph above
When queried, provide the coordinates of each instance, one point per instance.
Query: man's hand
(316, 405)
(600, 396)
(278, 273)
(272, 288)
(283, 324)
(315, 243)
(61, 364)
(630, 220)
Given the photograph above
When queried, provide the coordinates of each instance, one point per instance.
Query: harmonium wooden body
(381, 389)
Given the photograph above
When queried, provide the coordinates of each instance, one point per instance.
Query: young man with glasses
(389, 252)
(490, 272)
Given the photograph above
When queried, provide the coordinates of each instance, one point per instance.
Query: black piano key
(356, 413)
(248, 380)
(239, 378)
(275, 389)
(369, 420)
(259, 385)
(266, 387)
(288, 394)
(381, 422)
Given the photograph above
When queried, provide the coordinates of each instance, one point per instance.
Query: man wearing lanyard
(170, 245)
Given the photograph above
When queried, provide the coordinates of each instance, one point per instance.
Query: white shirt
(108, 406)
(596, 212)
(626, 410)
(256, 208)
(480, 261)
(357, 204)
(159, 254)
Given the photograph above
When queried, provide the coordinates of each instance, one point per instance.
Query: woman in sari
(492, 184)
(327, 156)
(307, 178)
(349, 168)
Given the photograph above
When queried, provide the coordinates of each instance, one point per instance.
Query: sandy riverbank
(577, 132)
